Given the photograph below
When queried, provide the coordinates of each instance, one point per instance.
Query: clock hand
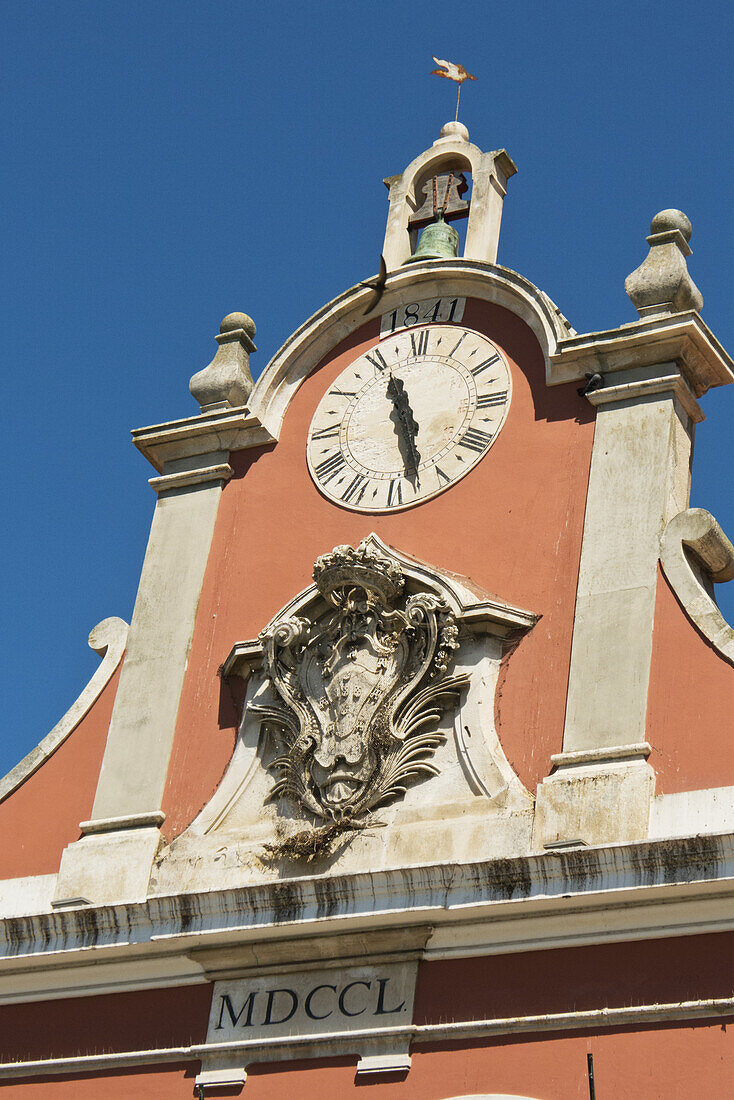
(401, 403)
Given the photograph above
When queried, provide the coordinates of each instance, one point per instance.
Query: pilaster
(602, 784)
(113, 859)
(115, 855)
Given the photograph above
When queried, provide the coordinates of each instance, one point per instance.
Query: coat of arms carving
(370, 700)
(358, 689)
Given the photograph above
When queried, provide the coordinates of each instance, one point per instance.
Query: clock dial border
(336, 464)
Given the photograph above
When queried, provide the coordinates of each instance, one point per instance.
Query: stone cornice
(224, 430)
(648, 382)
(551, 899)
(682, 338)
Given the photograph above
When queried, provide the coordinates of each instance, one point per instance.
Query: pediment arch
(303, 351)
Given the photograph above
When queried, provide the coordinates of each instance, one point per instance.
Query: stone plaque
(327, 1002)
(425, 311)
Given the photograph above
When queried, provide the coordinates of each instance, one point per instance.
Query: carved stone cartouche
(358, 688)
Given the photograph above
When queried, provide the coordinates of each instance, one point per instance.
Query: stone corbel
(695, 554)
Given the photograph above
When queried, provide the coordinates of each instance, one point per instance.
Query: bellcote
(435, 183)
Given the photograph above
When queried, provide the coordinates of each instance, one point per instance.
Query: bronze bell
(439, 241)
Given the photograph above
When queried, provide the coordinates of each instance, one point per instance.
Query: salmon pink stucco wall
(576, 979)
(690, 703)
(42, 816)
(513, 525)
(678, 1061)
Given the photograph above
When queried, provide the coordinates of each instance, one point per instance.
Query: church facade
(412, 772)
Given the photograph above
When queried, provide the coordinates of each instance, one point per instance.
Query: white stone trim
(713, 1008)
(682, 338)
(135, 763)
(108, 638)
(639, 478)
(690, 812)
(113, 859)
(220, 431)
(383, 1063)
(221, 471)
(694, 551)
(650, 387)
(593, 756)
(30, 894)
(552, 899)
(128, 821)
(490, 173)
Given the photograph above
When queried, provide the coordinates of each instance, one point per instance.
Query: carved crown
(345, 567)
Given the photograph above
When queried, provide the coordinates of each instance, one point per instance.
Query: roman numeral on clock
(456, 345)
(491, 400)
(355, 490)
(326, 433)
(475, 439)
(394, 496)
(419, 342)
(377, 359)
(329, 468)
(443, 479)
(477, 370)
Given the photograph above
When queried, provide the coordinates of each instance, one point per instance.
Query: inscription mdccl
(312, 1002)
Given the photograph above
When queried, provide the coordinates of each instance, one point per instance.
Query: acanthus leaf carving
(359, 689)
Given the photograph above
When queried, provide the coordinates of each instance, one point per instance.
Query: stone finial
(661, 284)
(227, 382)
(453, 130)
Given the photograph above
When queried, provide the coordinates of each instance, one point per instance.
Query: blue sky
(162, 164)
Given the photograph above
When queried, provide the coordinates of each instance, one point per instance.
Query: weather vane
(457, 73)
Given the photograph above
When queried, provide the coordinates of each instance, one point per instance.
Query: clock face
(408, 418)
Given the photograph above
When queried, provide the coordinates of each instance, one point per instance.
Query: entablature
(557, 898)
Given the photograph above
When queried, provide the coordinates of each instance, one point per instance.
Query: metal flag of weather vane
(457, 73)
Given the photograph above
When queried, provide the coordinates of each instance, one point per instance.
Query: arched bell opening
(441, 203)
(481, 213)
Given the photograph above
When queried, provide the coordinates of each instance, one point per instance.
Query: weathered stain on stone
(287, 905)
(189, 912)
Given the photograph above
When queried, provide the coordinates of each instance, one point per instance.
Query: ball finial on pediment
(227, 382)
(234, 321)
(668, 220)
(661, 284)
